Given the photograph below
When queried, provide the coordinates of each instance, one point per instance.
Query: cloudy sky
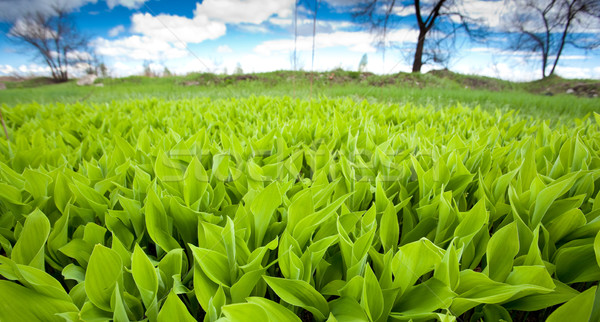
(257, 35)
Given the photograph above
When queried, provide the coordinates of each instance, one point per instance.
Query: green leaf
(494, 312)
(348, 310)
(174, 310)
(299, 293)
(560, 294)
(578, 308)
(245, 285)
(195, 182)
(577, 264)
(276, 312)
(546, 197)
(103, 272)
(144, 275)
(29, 249)
(243, 311)
(214, 264)
(22, 304)
(597, 248)
(413, 260)
(372, 296)
(501, 251)
(36, 183)
(157, 222)
(262, 207)
(425, 298)
(389, 229)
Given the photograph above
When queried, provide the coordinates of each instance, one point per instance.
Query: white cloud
(403, 11)
(252, 28)
(7, 69)
(573, 57)
(305, 25)
(177, 29)
(224, 49)
(358, 41)
(490, 13)
(138, 48)
(342, 3)
(33, 69)
(12, 10)
(576, 72)
(113, 32)
(30, 28)
(239, 11)
(131, 4)
(121, 69)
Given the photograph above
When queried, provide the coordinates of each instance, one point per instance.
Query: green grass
(439, 88)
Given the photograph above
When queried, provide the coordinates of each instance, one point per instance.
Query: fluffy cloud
(359, 41)
(138, 48)
(160, 37)
(305, 25)
(11, 10)
(177, 29)
(240, 11)
(131, 4)
(7, 69)
(113, 32)
(224, 49)
(490, 13)
(31, 69)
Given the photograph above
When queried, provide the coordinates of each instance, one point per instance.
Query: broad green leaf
(275, 311)
(23, 304)
(501, 251)
(347, 309)
(263, 206)
(157, 222)
(195, 182)
(560, 294)
(242, 311)
(144, 275)
(578, 308)
(389, 230)
(174, 310)
(214, 264)
(413, 260)
(546, 197)
(102, 274)
(29, 249)
(425, 298)
(243, 287)
(299, 293)
(372, 296)
(577, 264)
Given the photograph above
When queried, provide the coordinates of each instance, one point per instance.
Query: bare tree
(438, 22)
(546, 27)
(55, 39)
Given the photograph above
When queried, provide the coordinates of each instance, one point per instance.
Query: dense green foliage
(281, 209)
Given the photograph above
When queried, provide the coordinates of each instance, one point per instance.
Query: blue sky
(217, 35)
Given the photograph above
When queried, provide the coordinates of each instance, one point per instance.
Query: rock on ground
(86, 80)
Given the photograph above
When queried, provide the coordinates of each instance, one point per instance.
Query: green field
(430, 89)
(148, 199)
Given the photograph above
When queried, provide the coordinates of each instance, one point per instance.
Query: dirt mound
(471, 81)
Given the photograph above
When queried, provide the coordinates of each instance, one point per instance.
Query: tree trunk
(544, 64)
(418, 59)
